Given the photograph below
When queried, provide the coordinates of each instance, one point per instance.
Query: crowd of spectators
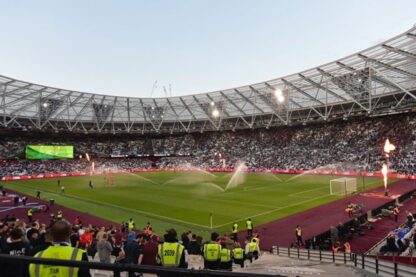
(123, 243)
(354, 144)
(401, 241)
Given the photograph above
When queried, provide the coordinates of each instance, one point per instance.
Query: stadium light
(279, 95)
(212, 103)
(45, 105)
(215, 113)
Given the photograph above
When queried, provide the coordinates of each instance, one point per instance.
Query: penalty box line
(281, 208)
(271, 211)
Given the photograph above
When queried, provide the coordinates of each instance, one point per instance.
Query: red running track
(318, 220)
(382, 227)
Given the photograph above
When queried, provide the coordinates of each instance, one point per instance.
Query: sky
(122, 47)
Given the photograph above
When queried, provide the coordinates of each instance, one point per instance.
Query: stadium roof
(378, 80)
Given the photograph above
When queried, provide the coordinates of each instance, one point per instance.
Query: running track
(318, 220)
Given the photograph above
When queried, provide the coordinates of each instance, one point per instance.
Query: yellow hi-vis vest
(225, 255)
(212, 252)
(235, 227)
(252, 246)
(56, 252)
(238, 253)
(131, 225)
(249, 225)
(30, 212)
(170, 253)
(299, 232)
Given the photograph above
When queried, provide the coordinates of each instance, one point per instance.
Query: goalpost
(342, 186)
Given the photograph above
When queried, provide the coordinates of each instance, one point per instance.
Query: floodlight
(215, 113)
(279, 95)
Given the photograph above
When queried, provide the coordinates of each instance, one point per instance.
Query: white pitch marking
(272, 211)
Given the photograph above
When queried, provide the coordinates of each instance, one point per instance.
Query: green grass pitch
(184, 200)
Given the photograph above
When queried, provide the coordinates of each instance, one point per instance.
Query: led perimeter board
(43, 152)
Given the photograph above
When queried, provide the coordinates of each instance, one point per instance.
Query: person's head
(139, 237)
(60, 231)
(16, 234)
(4, 228)
(193, 236)
(104, 236)
(214, 236)
(184, 236)
(171, 235)
(237, 244)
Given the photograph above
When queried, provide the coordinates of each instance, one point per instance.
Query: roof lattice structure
(380, 79)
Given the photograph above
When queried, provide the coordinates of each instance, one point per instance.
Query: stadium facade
(378, 80)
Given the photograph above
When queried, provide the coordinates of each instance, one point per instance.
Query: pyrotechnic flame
(388, 147)
(93, 166)
(87, 156)
(385, 171)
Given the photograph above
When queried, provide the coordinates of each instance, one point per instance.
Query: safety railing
(117, 270)
(369, 263)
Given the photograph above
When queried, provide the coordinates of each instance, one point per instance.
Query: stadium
(330, 150)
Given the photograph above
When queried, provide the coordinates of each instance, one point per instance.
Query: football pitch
(185, 200)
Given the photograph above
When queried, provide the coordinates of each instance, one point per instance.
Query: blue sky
(122, 47)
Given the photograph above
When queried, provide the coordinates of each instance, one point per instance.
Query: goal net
(342, 186)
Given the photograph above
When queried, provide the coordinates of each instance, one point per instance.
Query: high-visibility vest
(238, 253)
(59, 215)
(170, 253)
(30, 212)
(225, 255)
(347, 247)
(56, 252)
(299, 232)
(249, 225)
(235, 228)
(212, 252)
(252, 246)
(131, 225)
